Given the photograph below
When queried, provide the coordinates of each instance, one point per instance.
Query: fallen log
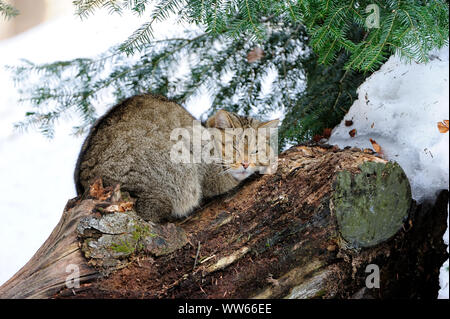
(308, 231)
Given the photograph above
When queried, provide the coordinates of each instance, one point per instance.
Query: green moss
(134, 242)
(320, 293)
(124, 247)
(371, 206)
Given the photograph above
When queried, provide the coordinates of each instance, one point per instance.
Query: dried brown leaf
(376, 147)
(443, 126)
(125, 206)
(255, 55)
(97, 191)
(111, 209)
(317, 138)
(326, 132)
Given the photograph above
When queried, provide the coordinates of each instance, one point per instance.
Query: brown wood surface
(274, 237)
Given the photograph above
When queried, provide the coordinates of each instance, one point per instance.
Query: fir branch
(7, 11)
(328, 23)
(144, 34)
(314, 87)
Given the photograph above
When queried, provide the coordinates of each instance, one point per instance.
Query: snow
(37, 173)
(399, 107)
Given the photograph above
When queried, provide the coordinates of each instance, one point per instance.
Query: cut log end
(371, 205)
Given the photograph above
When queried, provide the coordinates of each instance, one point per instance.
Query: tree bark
(308, 231)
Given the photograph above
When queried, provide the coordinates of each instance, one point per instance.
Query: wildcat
(131, 145)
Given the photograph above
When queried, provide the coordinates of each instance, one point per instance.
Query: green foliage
(330, 91)
(67, 87)
(409, 27)
(7, 11)
(317, 52)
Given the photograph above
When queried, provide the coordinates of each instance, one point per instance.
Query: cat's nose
(244, 164)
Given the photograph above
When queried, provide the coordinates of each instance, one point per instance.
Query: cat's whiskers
(225, 171)
(221, 161)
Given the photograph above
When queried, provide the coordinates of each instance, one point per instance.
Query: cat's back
(137, 129)
(152, 113)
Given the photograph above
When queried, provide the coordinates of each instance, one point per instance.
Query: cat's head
(246, 144)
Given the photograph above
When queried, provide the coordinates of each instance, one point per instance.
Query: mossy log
(307, 231)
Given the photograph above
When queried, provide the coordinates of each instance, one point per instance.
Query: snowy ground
(399, 107)
(36, 173)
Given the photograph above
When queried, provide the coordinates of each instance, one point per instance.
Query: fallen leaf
(443, 126)
(255, 55)
(376, 147)
(97, 191)
(352, 133)
(317, 138)
(372, 125)
(125, 206)
(368, 151)
(111, 209)
(96, 188)
(367, 99)
(348, 123)
(326, 132)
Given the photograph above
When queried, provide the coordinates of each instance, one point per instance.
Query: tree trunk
(308, 231)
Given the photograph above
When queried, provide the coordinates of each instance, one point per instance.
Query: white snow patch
(399, 107)
(37, 173)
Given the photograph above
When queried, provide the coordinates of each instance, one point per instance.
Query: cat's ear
(220, 120)
(270, 124)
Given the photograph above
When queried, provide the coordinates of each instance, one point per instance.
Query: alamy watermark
(199, 144)
(373, 279)
(373, 19)
(73, 279)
